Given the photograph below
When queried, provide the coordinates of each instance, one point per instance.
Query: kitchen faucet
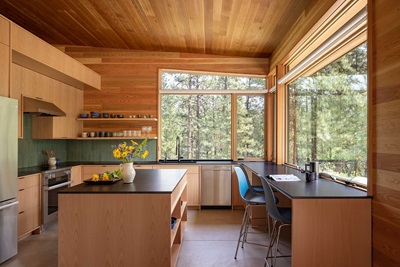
(178, 147)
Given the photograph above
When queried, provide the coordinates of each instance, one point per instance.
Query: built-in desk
(331, 222)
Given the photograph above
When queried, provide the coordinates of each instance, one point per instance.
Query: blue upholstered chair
(277, 214)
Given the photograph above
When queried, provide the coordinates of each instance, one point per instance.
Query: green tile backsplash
(101, 150)
(31, 152)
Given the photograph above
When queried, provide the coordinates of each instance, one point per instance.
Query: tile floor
(210, 240)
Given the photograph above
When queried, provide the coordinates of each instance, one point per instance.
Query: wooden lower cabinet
(122, 229)
(143, 167)
(76, 175)
(193, 182)
(89, 170)
(29, 205)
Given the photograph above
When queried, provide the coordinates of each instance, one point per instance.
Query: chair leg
(276, 232)
(246, 227)
(244, 219)
(273, 236)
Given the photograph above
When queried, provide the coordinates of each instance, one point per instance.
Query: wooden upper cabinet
(33, 53)
(4, 70)
(4, 57)
(4, 31)
(70, 101)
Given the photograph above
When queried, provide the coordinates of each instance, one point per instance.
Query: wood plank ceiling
(247, 28)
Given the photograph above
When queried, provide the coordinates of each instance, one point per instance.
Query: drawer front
(89, 170)
(28, 181)
(190, 168)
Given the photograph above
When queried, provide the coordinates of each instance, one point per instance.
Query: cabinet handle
(21, 189)
(21, 212)
(38, 98)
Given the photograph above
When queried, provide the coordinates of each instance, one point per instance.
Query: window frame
(234, 98)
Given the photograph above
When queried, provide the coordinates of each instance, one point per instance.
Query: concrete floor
(210, 240)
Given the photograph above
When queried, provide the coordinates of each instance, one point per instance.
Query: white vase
(52, 161)
(127, 172)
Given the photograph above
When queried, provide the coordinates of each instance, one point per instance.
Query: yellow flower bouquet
(127, 153)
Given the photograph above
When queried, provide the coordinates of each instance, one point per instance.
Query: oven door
(50, 200)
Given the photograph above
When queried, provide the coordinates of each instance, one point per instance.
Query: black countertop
(146, 182)
(320, 188)
(45, 168)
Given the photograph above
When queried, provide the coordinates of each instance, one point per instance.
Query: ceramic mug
(84, 134)
(92, 134)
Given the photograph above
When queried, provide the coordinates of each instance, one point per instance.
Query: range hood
(41, 108)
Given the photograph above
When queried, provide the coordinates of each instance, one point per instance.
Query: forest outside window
(327, 118)
(196, 111)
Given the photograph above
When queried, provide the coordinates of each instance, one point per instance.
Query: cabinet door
(89, 170)
(4, 31)
(193, 181)
(29, 203)
(193, 189)
(4, 70)
(76, 175)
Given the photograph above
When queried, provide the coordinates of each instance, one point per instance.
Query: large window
(250, 126)
(196, 111)
(327, 118)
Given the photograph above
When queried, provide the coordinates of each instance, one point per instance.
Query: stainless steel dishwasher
(216, 185)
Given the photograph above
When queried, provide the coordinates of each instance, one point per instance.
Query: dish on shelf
(83, 115)
(110, 181)
(95, 114)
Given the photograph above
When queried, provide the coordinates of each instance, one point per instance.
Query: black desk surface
(321, 188)
(146, 182)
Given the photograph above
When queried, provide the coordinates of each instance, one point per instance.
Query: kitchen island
(124, 224)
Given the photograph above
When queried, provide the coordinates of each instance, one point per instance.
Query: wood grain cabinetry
(70, 101)
(126, 229)
(4, 70)
(4, 31)
(89, 170)
(29, 83)
(4, 57)
(193, 182)
(76, 175)
(33, 53)
(29, 204)
(39, 70)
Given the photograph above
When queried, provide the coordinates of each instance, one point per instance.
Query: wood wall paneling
(129, 83)
(384, 117)
(310, 16)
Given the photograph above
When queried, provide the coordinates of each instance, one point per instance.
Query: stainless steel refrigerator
(8, 178)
